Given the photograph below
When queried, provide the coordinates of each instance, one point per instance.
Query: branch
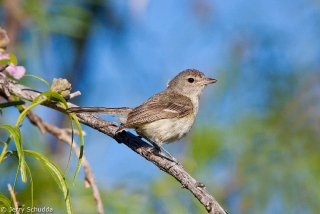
(135, 143)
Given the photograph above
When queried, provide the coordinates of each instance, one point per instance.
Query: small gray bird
(165, 117)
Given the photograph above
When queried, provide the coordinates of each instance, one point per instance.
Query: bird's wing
(164, 105)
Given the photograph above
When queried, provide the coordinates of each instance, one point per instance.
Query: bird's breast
(167, 130)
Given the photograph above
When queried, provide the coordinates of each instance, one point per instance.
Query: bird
(165, 117)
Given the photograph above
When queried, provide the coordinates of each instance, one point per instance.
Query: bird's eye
(191, 80)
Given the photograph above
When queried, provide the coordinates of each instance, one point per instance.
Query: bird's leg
(158, 146)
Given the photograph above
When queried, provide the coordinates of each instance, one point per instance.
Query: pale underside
(166, 130)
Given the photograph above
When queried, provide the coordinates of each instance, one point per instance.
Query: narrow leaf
(70, 151)
(53, 95)
(6, 202)
(13, 59)
(31, 183)
(74, 117)
(26, 110)
(35, 103)
(14, 103)
(15, 133)
(4, 61)
(39, 78)
(56, 174)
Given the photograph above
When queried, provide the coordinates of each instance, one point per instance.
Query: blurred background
(256, 140)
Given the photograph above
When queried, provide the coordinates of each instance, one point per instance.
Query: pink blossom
(4, 56)
(16, 72)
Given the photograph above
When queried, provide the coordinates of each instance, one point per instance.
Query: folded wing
(164, 105)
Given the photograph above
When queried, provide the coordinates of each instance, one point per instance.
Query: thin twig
(13, 196)
(136, 144)
(73, 95)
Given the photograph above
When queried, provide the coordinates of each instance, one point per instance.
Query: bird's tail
(99, 110)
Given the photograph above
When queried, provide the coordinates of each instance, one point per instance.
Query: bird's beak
(207, 81)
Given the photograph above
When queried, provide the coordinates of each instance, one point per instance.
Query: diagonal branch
(136, 144)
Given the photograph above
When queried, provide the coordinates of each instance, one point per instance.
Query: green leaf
(75, 119)
(53, 96)
(15, 133)
(56, 174)
(70, 151)
(39, 78)
(4, 61)
(50, 96)
(31, 183)
(26, 110)
(13, 59)
(6, 202)
(14, 103)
